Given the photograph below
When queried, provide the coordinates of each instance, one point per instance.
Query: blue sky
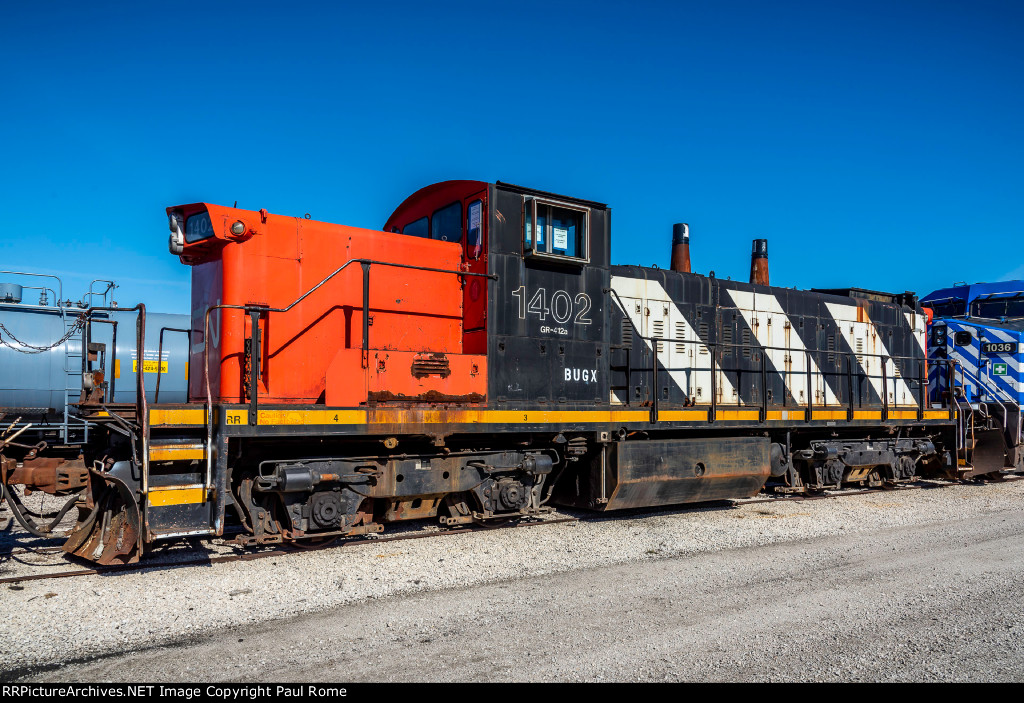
(875, 144)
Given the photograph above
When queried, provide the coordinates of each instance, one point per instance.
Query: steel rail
(923, 484)
(250, 556)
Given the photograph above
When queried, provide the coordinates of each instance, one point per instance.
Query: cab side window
(446, 223)
(474, 228)
(417, 228)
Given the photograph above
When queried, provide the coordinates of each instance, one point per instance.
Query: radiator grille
(659, 331)
(627, 333)
(432, 365)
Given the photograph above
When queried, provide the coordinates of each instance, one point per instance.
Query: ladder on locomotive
(996, 429)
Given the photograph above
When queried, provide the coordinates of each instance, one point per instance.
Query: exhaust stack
(759, 262)
(681, 247)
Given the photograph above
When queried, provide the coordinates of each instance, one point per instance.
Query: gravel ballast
(45, 623)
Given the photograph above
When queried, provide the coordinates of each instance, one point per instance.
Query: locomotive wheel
(315, 542)
(109, 534)
(492, 523)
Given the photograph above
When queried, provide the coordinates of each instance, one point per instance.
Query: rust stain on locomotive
(375, 397)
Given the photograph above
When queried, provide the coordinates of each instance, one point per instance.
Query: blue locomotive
(980, 328)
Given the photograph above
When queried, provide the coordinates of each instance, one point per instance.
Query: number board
(998, 347)
(198, 227)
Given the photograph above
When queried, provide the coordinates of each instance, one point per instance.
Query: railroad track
(341, 543)
(251, 556)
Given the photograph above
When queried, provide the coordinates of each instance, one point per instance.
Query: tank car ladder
(72, 385)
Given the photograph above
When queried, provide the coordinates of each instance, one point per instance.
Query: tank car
(61, 363)
(976, 349)
(481, 358)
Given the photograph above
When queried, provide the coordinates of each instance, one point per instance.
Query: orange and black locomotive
(480, 358)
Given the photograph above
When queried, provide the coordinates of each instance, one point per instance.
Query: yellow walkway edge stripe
(177, 416)
(175, 495)
(176, 452)
(395, 416)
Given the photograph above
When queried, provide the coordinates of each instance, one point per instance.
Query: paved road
(940, 602)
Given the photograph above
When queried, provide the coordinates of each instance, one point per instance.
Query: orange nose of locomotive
(346, 316)
(198, 230)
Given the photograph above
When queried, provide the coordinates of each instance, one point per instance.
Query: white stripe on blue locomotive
(997, 373)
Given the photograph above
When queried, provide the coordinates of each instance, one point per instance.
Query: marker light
(238, 228)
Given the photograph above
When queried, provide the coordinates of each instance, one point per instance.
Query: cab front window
(995, 308)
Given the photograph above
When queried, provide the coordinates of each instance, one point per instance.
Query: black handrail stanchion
(810, 390)
(714, 383)
(654, 382)
(254, 366)
(764, 387)
(885, 392)
(366, 313)
(849, 386)
(922, 389)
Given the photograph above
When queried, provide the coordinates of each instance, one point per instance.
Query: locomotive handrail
(714, 347)
(364, 262)
(655, 343)
(991, 390)
(140, 341)
(982, 386)
(160, 358)
(256, 310)
(141, 405)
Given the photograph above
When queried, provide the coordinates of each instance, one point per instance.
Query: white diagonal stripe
(846, 317)
(919, 324)
(686, 376)
(750, 304)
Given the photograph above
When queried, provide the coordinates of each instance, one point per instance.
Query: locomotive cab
(977, 350)
(541, 319)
